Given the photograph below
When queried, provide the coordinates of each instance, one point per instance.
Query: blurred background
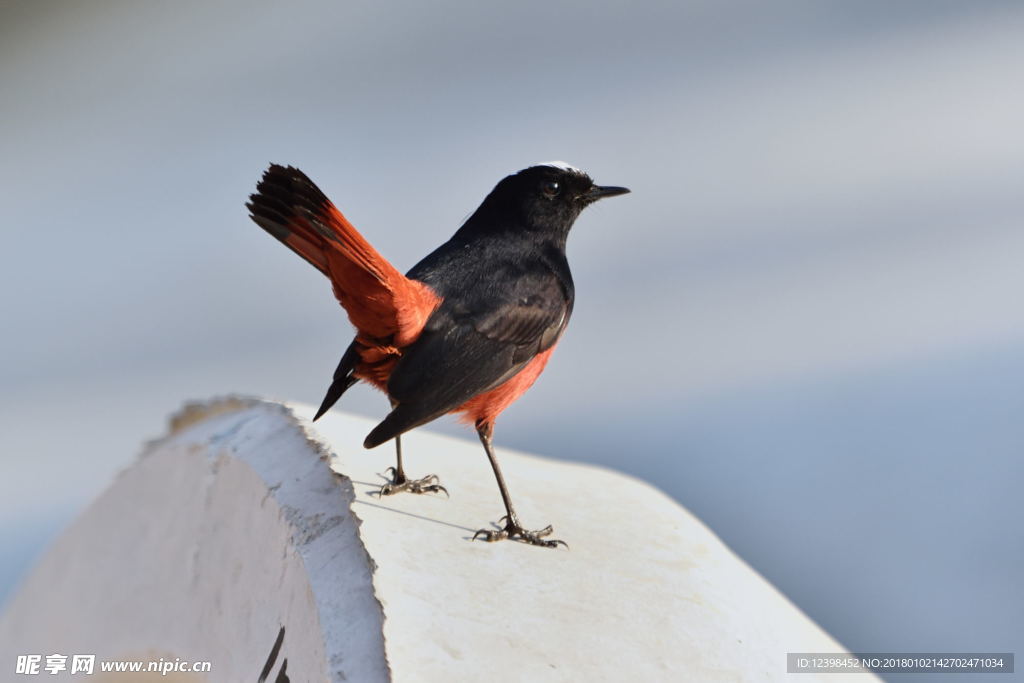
(805, 323)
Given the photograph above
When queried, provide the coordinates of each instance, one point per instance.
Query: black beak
(600, 192)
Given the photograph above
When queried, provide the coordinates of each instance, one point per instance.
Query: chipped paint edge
(195, 412)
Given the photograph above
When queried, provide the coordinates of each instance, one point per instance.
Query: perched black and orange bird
(468, 329)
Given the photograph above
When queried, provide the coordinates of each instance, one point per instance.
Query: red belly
(484, 408)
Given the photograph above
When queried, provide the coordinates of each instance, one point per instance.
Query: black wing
(473, 344)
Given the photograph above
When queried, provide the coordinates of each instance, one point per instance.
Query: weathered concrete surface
(234, 526)
(221, 534)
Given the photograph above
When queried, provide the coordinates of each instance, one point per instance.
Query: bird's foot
(515, 532)
(398, 484)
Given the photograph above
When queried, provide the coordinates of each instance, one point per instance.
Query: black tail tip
(329, 400)
(382, 433)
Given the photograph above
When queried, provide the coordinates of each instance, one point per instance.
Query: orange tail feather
(383, 304)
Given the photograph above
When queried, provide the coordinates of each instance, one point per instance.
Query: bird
(468, 329)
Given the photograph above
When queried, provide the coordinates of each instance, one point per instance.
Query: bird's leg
(399, 482)
(513, 529)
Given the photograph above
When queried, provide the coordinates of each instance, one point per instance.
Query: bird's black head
(546, 198)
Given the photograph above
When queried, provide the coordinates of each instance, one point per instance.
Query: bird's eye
(551, 188)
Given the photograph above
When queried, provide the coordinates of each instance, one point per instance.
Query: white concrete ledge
(233, 533)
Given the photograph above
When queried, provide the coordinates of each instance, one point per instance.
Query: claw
(513, 531)
(489, 535)
(428, 484)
